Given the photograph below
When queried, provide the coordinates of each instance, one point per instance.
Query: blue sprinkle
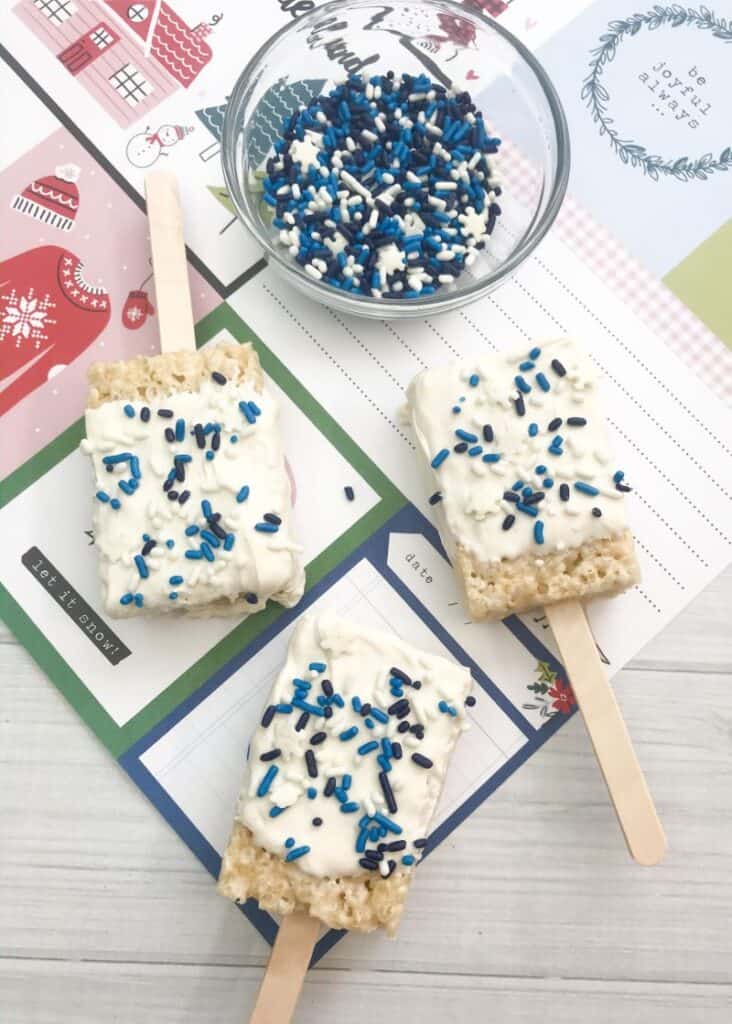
(126, 599)
(243, 494)
(142, 566)
(299, 852)
(492, 457)
(283, 709)
(349, 808)
(363, 837)
(267, 780)
(210, 538)
(408, 860)
(210, 455)
(129, 410)
(384, 762)
(207, 552)
(356, 703)
(387, 823)
(206, 508)
(539, 470)
(180, 429)
(338, 700)
(193, 554)
(249, 415)
(346, 782)
(125, 487)
(584, 488)
(617, 477)
(255, 408)
(369, 723)
(229, 542)
(439, 458)
(175, 581)
(340, 795)
(312, 792)
(518, 485)
(380, 716)
(542, 382)
(266, 527)
(539, 531)
(113, 460)
(102, 496)
(173, 596)
(274, 812)
(456, 408)
(348, 734)
(465, 435)
(527, 365)
(139, 600)
(534, 353)
(191, 530)
(475, 450)
(366, 748)
(170, 543)
(547, 482)
(530, 510)
(533, 429)
(289, 843)
(522, 384)
(233, 439)
(473, 380)
(386, 746)
(135, 467)
(317, 666)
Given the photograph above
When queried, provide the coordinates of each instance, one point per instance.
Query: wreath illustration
(597, 98)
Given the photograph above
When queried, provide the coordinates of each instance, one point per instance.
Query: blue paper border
(374, 550)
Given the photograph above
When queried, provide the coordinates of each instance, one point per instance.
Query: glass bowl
(450, 42)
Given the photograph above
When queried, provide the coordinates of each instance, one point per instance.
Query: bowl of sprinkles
(395, 160)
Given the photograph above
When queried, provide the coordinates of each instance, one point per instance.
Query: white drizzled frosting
(470, 487)
(254, 565)
(347, 668)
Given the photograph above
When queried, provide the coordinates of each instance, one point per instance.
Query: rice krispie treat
(192, 497)
(529, 502)
(344, 775)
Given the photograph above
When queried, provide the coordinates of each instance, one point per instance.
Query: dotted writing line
(671, 482)
(633, 355)
(338, 366)
(402, 342)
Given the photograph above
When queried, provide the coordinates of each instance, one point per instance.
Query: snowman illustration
(144, 148)
(443, 34)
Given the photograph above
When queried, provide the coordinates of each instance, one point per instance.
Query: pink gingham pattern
(648, 297)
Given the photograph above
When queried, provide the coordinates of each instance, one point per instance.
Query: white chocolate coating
(473, 509)
(358, 664)
(261, 565)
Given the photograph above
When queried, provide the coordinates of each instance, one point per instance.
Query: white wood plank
(536, 883)
(46, 993)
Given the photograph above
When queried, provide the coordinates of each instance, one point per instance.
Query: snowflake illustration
(26, 316)
(134, 314)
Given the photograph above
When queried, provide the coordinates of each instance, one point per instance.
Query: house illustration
(128, 56)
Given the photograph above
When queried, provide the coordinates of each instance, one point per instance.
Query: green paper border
(117, 738)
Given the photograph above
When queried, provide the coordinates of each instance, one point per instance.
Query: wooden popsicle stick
(286, 970)
(614, 751)
(170, 268)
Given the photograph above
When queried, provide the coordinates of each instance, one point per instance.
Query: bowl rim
(439, 302)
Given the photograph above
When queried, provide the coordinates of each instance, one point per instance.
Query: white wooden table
(531, 912)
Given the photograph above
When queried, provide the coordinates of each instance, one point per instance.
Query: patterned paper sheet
(101, 91)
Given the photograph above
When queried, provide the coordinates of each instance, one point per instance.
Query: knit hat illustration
(53, 199)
